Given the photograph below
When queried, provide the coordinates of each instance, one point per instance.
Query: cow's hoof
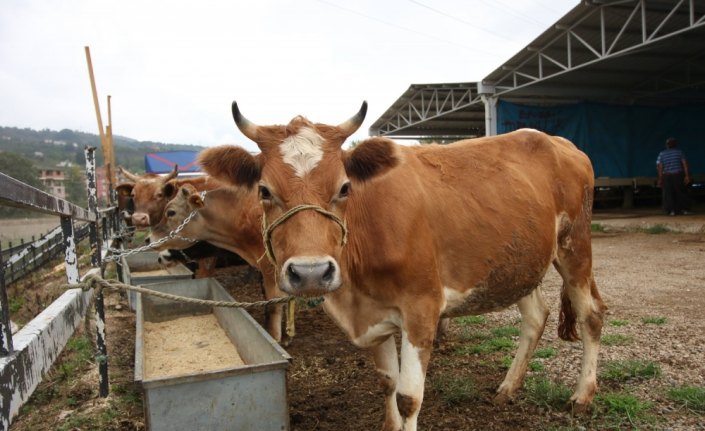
(577, 408)
(501, 399)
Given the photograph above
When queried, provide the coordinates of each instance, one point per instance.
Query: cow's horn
(247, 128)
(130, 176)
(171, 174)
(353, 123)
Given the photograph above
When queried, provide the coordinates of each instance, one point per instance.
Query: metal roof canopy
(634, 52)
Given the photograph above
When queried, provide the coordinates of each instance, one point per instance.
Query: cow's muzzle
(267, 229)
(307, 276)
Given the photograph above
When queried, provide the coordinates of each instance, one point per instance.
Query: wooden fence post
(5, 329)
(104, 386)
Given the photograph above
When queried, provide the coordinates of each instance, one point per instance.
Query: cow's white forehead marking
(302, 151)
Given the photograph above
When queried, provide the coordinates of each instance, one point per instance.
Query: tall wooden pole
(103, 141)
(109, 139)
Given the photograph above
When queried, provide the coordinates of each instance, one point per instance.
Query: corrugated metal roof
(649, 52)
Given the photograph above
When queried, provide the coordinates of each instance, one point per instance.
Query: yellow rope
(267, 230)
(93, 281)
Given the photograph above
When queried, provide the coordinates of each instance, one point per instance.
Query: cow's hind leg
(387, 363)
(533, 321)
(581, 305)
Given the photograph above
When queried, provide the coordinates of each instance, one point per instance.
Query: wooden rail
(27, 356)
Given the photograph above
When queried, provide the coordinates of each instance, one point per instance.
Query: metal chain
(117, 254)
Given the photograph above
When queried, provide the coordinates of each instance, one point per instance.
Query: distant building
(102, 183)
(54, 180)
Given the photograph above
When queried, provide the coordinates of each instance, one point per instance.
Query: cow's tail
(567, 325)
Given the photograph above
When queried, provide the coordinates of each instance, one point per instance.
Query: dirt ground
(653, 284)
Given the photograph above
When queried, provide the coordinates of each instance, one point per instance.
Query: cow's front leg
(387, 363)
(416, 346)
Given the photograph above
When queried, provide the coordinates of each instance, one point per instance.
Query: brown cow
(228, 218)
(151, 192)
(397, 237)
(125, 203)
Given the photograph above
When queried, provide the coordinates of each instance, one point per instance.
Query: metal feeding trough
(144, 268)
(248, 396)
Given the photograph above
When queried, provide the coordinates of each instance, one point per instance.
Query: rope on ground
(94, 281)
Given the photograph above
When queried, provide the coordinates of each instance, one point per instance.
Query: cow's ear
(195, 201)
(124, 189)
(231, 164)
(370, 158)
(169, 190)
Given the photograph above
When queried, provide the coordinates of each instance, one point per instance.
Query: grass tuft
(454, 391)
(471, 320)
(656, 229)
(616, 339)
(618, 323)
(622, 371)
(618, 409)
(654, 320)
(542, 392)
(506, 332)
(546, 352)
(597, 227)
(690, 397)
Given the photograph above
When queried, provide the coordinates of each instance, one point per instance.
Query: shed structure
(616, 77)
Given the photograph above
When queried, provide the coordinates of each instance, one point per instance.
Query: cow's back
(486, 210)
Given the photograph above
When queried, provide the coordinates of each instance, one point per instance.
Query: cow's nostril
(330, 272)
(294, 277)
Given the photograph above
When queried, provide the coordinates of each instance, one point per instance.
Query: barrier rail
(27, 356)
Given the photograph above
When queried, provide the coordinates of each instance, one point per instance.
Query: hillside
(68, 145)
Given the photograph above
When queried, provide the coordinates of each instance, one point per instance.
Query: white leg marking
(411, 378)
(533, 320)
(387, 363)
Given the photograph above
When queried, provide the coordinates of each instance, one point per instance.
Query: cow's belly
(500, 289)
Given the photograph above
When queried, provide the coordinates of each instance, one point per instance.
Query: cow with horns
(396, 238)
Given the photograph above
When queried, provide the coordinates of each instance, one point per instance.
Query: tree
(21, 169)
(76, 192)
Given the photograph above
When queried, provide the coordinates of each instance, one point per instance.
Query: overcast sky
(174, 67)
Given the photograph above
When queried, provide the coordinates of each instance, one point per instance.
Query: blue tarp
(622, 141)
(163, 162)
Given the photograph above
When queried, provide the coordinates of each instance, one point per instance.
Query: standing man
(673, 178)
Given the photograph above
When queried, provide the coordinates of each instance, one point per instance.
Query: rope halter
(268, 229)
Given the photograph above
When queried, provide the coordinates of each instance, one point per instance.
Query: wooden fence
(26, 356)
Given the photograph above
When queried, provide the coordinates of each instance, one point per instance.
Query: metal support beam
(572, 48)
(425, 102)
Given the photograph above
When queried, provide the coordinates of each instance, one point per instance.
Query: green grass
(656, 229)
(597, 227)
(81, 352)
(506, 332)
(622, 371)
(546, 352)
(618, 409)
(542, 392)
(15, 304)
(455, 391)
(470, 320)
(536, 366)
(491, 345)
(690, 397)
(616, 339)
(654, 320)
(618, 323)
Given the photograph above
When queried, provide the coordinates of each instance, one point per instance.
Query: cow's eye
(264, 193)
(344, 190)
(170, 213)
